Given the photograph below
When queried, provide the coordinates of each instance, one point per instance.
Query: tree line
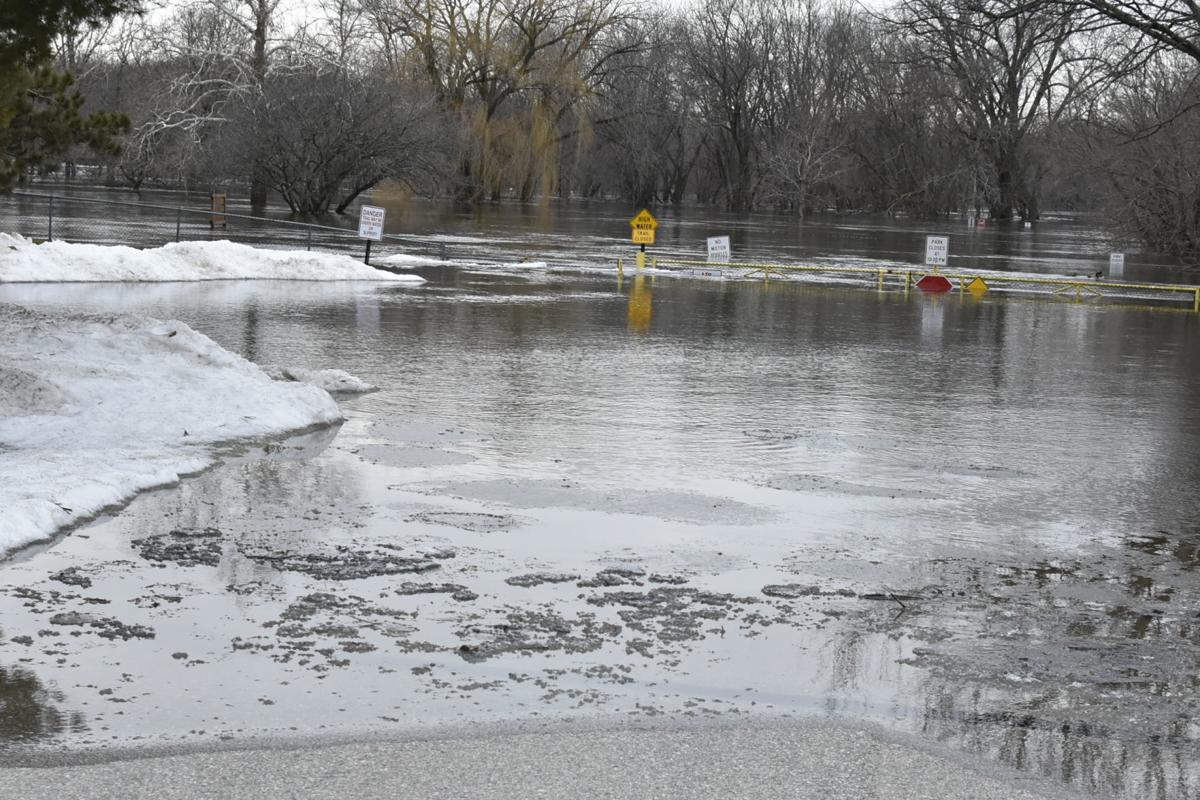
(927, 108)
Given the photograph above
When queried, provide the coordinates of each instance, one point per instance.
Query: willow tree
(510, 70)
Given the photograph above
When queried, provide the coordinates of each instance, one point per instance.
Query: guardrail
(1081, 287)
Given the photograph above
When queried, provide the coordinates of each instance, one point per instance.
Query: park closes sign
(937, 248)
(370, 223)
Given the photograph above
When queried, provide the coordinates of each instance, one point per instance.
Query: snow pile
(331, 380)
(408, 261)
(96, 408)
(23, 261)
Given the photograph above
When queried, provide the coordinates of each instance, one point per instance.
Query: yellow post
(620, 268)
(641, 260)
(1196, 304)
(907, 280)
(881, 280)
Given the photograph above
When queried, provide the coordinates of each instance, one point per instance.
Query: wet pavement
(967, 522)
(798, 762)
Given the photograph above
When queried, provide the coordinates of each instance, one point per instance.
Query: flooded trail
(966, 521)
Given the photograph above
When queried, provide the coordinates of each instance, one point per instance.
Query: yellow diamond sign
(977, 287)
(643, 227)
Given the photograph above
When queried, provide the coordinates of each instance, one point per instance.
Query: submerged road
(797, 762)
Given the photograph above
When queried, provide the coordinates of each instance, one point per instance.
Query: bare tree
(1012, 72)
(185, 73)
(1145, 142)
(907, 152)
(649, 133)
(732, 51)
(328, 135)
(256, 18)
(1166, 24)
(819, 64)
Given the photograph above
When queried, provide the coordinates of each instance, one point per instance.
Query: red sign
(935, 284)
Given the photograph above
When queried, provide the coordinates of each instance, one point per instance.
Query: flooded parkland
(969, 521)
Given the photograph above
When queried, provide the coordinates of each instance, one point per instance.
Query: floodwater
(584, 234)
(972, 521)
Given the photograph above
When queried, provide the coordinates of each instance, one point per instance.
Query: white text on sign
(937, 248)
(718, 250)
(370, 223)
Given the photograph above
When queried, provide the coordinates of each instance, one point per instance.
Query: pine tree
(40, 117)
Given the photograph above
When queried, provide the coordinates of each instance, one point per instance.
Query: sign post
(370, 227)
(937, 250)
(643, 225)
(1116, 265)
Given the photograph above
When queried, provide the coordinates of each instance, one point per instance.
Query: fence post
(178, 217)
(50, 220)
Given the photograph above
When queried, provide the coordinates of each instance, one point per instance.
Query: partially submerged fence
(103, 220)
(978, 283)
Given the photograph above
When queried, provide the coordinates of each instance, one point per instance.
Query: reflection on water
(1081, 669)
(641, 305)
(31, 712)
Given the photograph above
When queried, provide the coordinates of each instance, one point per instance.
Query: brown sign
(218, 218)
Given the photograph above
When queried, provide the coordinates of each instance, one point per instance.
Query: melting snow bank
(331, 380)
(22, 261)
(95, 408)
(409, 261)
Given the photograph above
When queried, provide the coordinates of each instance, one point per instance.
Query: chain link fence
(43, 216)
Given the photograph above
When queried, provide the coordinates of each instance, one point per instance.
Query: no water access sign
(718, 250)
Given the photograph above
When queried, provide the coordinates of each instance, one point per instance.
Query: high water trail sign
(643, 225)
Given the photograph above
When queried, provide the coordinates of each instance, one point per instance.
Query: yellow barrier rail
(1095, 288)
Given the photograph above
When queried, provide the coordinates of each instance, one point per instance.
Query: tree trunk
(258, 182)
(1002, 209)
